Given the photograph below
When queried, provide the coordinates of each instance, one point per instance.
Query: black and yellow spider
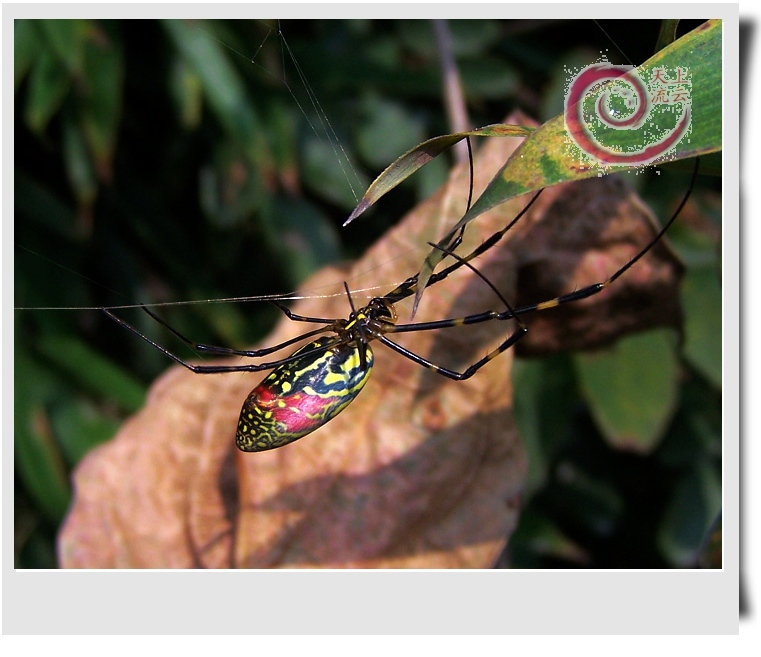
(311, 386)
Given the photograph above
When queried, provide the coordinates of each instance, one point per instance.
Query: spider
(308, 388)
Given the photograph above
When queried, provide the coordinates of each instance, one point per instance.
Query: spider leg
(510, 312)
(226, 351)
(409, 287)
(514, 313)
(520, 331)
(451, 374)
(217, 369)
(300, 318)
(595, 288)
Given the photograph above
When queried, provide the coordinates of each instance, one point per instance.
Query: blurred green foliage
(177, 160)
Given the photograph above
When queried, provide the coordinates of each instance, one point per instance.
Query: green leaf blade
(632, 398)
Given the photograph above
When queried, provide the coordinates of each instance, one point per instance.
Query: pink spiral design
(583, 137)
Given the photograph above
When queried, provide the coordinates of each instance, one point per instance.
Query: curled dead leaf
(586, 233)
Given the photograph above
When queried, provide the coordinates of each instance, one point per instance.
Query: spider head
(381, 315)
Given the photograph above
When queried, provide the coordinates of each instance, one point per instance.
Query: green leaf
(94, 371)
(101, 98)
(543, 411)
(80, 427)
(38, 460)
(419, 37)
(223, 88)
(696, 431)
(324, 177)
(301, 235)
(26, 48)
(39, 204)
(488, 78)
(230, 191)
(543, 538)
(386, 128)
(545, 158)
(632, 388)
(694, 504)
(66, 41)
(187, 93)
(421, 155)
(701, 300)
(471, 37)
(48, 86)
(667, 34)
(78, 163)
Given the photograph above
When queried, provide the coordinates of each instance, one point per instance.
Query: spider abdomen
(300, 396)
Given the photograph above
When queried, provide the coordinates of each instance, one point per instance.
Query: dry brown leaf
(418, 472)
(585, 234)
